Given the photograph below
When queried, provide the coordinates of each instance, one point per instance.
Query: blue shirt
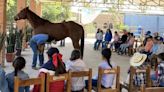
(10, 79)
(3, 81)
(154, 48)
(39, 38)
(108, 36)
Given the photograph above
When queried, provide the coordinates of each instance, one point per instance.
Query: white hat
(137, 59)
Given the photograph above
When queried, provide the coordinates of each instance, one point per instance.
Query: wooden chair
(132, 49)
(135, 46)
(152, 89)
(101, 72)
(52, 78)
(32, 81)
(84, 74)
(130, 87)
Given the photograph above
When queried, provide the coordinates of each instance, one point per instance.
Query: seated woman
(148, 46)
(99, 38)
(107, 38)
(54, 66)
(115, 43)
(18, 64)
(3, 81)
(76, 64)
(138, 61)
(128, 44)
(107, 79)
(158, 77)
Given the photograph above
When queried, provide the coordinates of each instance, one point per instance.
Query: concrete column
(39, 9)
(2, 27)
(21, 24)
(33, 5)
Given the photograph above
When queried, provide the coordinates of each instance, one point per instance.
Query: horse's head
(22, 14)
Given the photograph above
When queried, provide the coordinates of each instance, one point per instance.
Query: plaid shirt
(139, 78)
(161, 72)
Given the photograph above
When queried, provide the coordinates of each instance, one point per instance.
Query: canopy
(122, 6)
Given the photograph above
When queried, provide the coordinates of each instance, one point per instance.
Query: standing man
(37, 44)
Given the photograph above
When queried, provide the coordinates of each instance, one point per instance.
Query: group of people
(99, 38)
(120, 43)
(55, 66)
(150, 52)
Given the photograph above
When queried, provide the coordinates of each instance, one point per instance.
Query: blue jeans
(33, 45)
(104, 44)
(154, 78)
(97, 44)
(123, 47)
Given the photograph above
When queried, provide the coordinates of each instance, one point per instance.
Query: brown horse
(56, 31)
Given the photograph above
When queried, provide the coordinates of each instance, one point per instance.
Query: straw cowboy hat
(137, 59)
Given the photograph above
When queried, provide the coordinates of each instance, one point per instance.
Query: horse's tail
(82, 43)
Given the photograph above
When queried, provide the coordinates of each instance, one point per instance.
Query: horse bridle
(17, 17)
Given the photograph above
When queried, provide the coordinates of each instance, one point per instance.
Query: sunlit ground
(91, 58)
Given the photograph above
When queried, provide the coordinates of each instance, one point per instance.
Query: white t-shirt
(107, 79)
(77, 65)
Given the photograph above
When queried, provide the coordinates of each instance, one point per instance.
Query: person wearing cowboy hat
(138, 61)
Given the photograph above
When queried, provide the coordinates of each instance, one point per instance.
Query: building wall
(154, 23)
(103, 20)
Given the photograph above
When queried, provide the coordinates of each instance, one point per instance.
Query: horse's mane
(36, 19)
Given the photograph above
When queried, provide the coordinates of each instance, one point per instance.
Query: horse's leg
(76, 44)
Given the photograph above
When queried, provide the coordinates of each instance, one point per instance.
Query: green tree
(56, 12)
(11, 10)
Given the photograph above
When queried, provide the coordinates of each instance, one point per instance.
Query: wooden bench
(32, 81)
(130, 87)
(84, 74)
(152, 89)
(61, 77)
(101, 72)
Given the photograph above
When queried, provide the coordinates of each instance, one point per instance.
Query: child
(76, 64)
(107, 79)
(159, 76)
(54, 66)
(18, 64)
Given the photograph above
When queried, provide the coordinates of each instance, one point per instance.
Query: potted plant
(19, 38)
(10, 55)
(28, 35)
